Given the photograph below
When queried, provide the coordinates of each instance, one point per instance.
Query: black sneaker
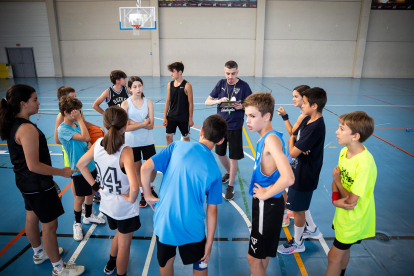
(225, 178)
(153, 192)
(229, 193)
(109, 269)
(97, 198)
(142, 202)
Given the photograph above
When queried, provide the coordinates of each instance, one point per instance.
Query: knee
(169, 137)
(333, 259)
(50, 227)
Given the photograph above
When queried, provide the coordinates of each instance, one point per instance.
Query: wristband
(96, 186)
(335, 196)
(285, 117)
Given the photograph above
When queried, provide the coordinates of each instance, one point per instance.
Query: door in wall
(22, 62)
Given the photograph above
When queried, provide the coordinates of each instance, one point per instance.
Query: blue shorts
(298, 201)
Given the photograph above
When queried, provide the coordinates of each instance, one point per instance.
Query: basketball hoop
(136, 29)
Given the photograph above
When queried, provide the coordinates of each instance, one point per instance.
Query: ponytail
(115, 118)
(10, 106)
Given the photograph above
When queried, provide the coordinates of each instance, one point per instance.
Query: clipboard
(226, 104)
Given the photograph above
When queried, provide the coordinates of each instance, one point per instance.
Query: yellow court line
(287, 233)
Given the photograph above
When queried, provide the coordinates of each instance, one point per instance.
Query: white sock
(58, 266)
(38, 250)
(151, 184)
(285, 214)
(298, 234)
(309, 221)
(140, 190)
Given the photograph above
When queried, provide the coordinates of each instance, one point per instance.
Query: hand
(207, 252)
(190, 122)
(259, 192)
(76, 115)
(336, 174)
(147, 121)
(224, 99)
(127, 197)
(67, 172)
(281, 111)
(306, 152)
(293, 138)
(89, 145)
(150, 199)
(164, 122)
(237, 106)
(341, 203)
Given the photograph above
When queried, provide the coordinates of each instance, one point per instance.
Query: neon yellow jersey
(65, 155)
(358, 175)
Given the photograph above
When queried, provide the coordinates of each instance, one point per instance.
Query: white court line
(83, 242)
(246, 219)
(149, 256)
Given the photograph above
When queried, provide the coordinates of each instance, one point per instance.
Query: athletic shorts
(82, 187)
(147, 152)
(343, 246)
(235, 140)
(173, 124)
(190, 253)
(46, 205)
(266, 225)
(298, 201)
(124, 226)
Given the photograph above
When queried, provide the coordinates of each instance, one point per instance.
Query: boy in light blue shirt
(190, 173)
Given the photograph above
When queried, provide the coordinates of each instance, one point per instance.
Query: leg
(225, 162)
(124, 244)
(187, 139)
(168, 269)
(153, 176)
(32, 229)
(256, 266)
(169, 139)
(335, 259)
(200, 272)
(233, 170)
(114, 245)
(265, 263)
(73, 190)
(137, 166)
(88, 200)
(345, 259)
(300, 218)
(50, 240)
(78, 203)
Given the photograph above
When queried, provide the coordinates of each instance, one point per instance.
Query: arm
(286, 178)
(293, 151)
(84, 135)
(282, 112)
(28, 136)
(99, 100)
(146, 170)
(150, 115)
(131, 125)
(189, 90)
(211, 229)
(211, 101)
(82, 165)
(167, 105)
(59, 120)
(127, 159)
(352, 198)
(298, 121)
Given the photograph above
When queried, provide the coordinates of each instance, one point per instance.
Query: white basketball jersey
(113, 183)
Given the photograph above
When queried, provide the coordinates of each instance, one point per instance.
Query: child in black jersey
(32, 166)
(115, 94)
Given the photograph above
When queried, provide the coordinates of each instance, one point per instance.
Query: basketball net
(136, 29)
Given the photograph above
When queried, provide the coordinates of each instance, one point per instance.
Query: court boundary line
(387, 102)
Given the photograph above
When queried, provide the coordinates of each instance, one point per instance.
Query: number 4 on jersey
(110, 180)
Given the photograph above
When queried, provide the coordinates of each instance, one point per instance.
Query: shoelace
(289, 244)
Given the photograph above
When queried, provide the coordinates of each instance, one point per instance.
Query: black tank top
(116, 98)
(179, 109)
(27, 181)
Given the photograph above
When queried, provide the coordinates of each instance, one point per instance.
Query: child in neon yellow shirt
(352, 190)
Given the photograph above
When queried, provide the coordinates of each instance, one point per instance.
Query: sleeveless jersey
(258, 177)
(27, 181)
(116, 98)
(179, 109)
(140, 137)
(113, 183)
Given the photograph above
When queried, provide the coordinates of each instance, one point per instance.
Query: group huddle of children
(112, 166)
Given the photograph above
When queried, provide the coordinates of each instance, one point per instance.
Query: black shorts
(46, 205)
(173, 124)
(343, 246)
(82, 187)
(190, 253)
(264, 244)
(124, 226)
(147, 152)
(298, 201)
(235, 141)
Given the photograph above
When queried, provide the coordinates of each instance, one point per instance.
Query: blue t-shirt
(238, 92)
(74, 148)
(190, 173)
(257, 176)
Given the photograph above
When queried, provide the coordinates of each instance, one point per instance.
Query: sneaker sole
(228, 199)
(97, 223)
(293, 251)
(225, 182)
(108, 272)
(314, 237)
(143, 206)
(42, 260)
(286, 225)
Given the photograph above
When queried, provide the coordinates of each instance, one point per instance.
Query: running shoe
(307, 234)
(77, 231)
(291, 247)
(97, 198)
(109, 269)
(42, 256)
(290, 214)
(225, 178)
(93, 219)
(286, 221)
(69, 270)
(229, 193)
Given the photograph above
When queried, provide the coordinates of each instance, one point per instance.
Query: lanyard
(228, 97)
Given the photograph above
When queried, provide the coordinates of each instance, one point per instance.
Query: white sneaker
(93, 219)
(38, 259)
(307, 234)
(77, 231)
(291, 247)
(69, 270)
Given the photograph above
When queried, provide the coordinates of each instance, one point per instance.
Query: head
(214, 129)
(65, 91)
(115, 120)
(136, 85)
(176, 69)
(67, 104)
(20, 98)
(314, 100)
(258, 108)
(118, 77)
(354, 127)
(231, 71)
(297, 95)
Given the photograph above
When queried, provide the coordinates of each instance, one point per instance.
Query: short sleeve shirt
(75, 149)
(307, 168)
(190, 174)
(238, 92)
(358, 176)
